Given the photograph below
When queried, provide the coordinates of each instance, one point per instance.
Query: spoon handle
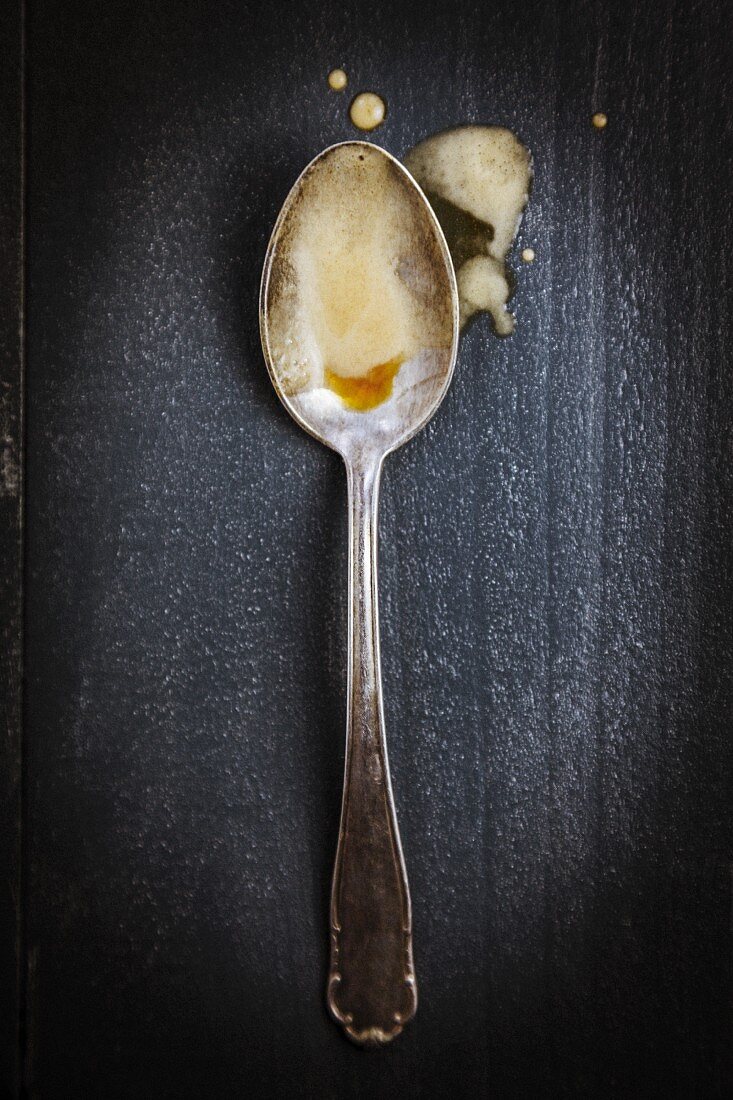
(371, 986)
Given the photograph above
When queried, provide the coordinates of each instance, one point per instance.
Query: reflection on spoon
(477, 179)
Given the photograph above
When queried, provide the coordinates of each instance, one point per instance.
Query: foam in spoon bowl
(348, 305)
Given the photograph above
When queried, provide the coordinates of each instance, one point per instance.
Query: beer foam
(347, 300)
(478, 179)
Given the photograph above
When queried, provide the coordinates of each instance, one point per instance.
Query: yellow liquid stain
(600, 120)
(368, 390)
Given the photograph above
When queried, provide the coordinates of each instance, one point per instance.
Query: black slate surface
(555, 567)
(11, 535)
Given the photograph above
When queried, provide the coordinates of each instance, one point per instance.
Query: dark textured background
(555, 567)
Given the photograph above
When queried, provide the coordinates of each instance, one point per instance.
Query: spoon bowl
(359, 324)
(425, 268)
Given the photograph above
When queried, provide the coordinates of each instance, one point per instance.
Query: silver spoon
(371, 985)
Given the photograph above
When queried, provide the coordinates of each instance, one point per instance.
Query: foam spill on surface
(478, 180)
(347, 299)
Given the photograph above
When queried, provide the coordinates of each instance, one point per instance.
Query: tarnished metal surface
(371, 989)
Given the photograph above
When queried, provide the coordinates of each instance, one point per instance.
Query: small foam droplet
(337, 80)
(368, 111)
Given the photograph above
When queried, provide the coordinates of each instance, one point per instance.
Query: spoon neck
(365, 722)
(363, 475)
(363, 484)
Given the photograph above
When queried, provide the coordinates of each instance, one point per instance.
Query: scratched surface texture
(555, 566)
(11, 548)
